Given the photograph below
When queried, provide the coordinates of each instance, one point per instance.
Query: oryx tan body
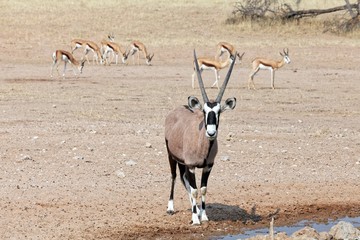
(185, 132)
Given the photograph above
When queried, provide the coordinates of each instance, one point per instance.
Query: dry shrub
(276, 12)
(254, 10)
(342, 25)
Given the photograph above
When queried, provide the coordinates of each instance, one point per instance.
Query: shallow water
(319, 227)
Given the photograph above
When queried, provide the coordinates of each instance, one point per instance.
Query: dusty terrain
(84, 157)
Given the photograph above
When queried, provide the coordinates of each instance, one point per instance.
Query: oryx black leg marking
(204, 179)
(173, 163)
(190, 182)
(182, 172)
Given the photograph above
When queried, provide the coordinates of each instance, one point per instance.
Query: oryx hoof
(195, 219)
(170, 212)
(195, 223)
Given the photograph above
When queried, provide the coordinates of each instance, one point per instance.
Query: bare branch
(273, 10)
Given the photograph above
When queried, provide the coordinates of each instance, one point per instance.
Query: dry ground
(75, 155)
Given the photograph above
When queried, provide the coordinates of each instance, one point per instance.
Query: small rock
(120, 174)
(26, 158)
(230, 136)
(325, 236)
(130, 163)
(259, 237)
(78, 158)
(307, 233)
(225, 158)
(344, 230)
(148, 145)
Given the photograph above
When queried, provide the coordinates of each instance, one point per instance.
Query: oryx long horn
(222, 89)
(201, 84)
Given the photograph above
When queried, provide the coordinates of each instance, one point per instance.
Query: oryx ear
(229, 104)
(194, 103)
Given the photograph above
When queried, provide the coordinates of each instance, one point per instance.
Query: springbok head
(149, 58)
(240, 56)
(285, 55)
(111, 37)
(125, 56)
(211, 109)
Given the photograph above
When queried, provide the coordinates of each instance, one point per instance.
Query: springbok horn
(286, 51)
(222, 89)
(201, 84)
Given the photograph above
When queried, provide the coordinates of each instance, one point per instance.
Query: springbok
(190, 137)
(216, 66)
(88, 46)
(223, 47)
(66, 57)
(113, 49)
(268, 64)
(138, 47)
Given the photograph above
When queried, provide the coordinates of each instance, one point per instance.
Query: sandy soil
(85, 158)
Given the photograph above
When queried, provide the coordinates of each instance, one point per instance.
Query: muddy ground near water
(85, 158)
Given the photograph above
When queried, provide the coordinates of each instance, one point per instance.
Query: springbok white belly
(264, 67)
(65, 58)
(204, 67)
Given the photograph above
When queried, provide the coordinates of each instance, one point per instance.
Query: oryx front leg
(190, 184)
(173, 163)
(204, 180)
